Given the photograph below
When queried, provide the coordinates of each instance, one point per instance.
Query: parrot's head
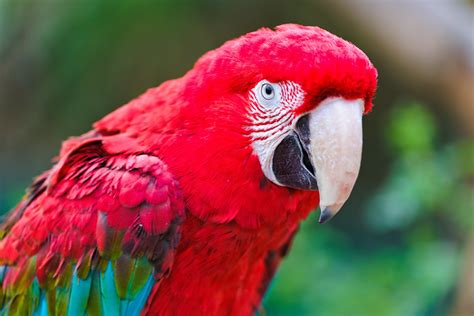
(294, 97)
(272, 119)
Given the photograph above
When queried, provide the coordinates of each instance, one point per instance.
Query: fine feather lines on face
(273, 114)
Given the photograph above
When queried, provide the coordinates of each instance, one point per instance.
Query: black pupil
(268, 89)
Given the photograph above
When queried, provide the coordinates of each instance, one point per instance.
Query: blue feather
(42, 308)
(109, 297)
(80, 293)
(80, 290)
(3, 269)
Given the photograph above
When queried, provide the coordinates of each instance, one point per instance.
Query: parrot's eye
(268, 94)
(267, 91)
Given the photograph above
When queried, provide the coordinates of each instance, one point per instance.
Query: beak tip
(326, 215)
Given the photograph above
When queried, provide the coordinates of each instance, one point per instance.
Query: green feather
(114, 288)
(94, 305)
(62, 300)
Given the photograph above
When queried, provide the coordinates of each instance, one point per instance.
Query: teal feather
(3, 269)
(42, 308)
(80, 290)
(110, 299)
(97, 294)
(36, 295)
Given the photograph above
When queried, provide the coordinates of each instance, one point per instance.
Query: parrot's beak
(335, 150)
(323, 153)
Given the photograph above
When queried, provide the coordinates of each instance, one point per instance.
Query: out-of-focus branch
(464, 304)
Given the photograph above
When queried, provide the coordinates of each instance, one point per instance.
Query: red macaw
(184, 201)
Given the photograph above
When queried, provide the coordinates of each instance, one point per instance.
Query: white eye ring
(268, 94)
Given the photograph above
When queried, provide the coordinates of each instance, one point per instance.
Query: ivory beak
(335, 149)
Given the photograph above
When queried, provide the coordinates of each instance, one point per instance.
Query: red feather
(124, 187)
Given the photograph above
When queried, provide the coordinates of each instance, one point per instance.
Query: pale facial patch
(272, 120)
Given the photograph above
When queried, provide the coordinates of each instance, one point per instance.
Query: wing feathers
(99, 232)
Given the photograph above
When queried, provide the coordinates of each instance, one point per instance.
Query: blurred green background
(403, 244)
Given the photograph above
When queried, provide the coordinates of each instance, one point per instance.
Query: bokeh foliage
(395, 248)
(416, 219)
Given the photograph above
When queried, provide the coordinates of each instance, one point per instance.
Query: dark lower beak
(291, 162)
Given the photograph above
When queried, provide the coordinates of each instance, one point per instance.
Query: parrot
(185, 200)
